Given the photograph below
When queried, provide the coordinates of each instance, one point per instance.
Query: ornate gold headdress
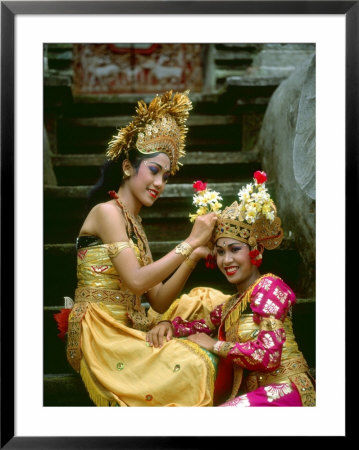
(254, 220)
(158, 127)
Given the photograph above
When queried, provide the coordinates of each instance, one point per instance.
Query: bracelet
(183, 249)
(221, 348)
(191, 263)
(217, 346)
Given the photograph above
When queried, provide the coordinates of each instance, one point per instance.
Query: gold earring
(126, 174)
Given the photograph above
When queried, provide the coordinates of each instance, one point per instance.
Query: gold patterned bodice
(95, 268)
(293, 367)
(99, 282)
(248, 330)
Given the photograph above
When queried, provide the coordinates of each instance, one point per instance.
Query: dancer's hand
(203, 340)
(156, 336)
(202, 230)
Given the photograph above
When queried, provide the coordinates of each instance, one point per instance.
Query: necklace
(134, 225)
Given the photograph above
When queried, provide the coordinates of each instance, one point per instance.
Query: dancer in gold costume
(106, 337)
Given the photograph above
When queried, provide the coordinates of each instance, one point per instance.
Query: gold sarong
(119, 368)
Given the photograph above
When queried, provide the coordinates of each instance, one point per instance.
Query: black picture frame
(9, 10)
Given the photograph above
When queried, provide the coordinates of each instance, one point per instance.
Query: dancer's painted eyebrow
(159, 165)
(228, 245)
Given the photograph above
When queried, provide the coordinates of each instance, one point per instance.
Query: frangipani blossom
(205, 199)
(255, 199)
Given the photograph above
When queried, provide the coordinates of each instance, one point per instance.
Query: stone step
(172, 190)
(120, 121)
(157, 247)
(192, 158)
(237, 81)
(86, 135)
(86, 105)
(131, 99)
(85, 169)
(230, 55)
(55, 309)
(66, 389)
(95, 140)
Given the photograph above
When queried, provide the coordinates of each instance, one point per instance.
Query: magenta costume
(260, 363)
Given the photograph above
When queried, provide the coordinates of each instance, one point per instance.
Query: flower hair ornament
(253, 220)
(158, 127)
(206, 201)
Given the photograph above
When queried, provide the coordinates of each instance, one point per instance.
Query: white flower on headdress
(255, 199)
(251, 213)
(244, 195)
(270, 216)
(205, 199)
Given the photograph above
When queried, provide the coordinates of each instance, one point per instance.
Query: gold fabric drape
(115, 362)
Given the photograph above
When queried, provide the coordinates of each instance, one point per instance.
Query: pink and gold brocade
(284, 394)
(186, 328)
(262, 342)
(271, 298)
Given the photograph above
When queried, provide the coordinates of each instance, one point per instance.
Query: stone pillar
(287, 147)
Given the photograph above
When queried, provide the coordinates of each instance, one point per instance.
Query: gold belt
(83, 296)
(94, 295)
(287, 368)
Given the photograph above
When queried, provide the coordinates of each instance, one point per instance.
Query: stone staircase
(223, 128)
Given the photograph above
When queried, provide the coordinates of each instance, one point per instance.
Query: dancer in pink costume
(260, 363)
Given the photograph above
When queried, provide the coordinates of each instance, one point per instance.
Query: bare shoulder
(107, 212)
(105, 208)
(106, 221)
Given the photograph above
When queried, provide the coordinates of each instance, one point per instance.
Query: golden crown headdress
(158, 127)
(254, 220)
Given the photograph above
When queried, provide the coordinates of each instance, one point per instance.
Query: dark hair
(111, 176)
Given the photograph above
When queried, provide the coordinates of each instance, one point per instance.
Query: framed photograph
(31, 34)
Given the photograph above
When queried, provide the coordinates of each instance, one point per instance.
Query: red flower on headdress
(62, 319)
(260, 176)
(199, 186)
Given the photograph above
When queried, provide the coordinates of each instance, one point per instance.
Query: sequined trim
(73, 349)
(305, 389)
(287, 368)
(139, 319)
(221, 348)
(109, 296)
(115, 248)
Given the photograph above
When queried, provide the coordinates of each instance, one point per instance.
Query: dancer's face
(234, 262)
(150, 180)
